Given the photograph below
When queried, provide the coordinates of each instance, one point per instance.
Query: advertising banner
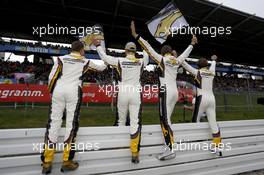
(91, 93)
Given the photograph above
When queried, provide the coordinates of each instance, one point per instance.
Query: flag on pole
(97, 33)
(167, 20)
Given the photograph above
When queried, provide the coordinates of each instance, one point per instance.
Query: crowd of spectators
(231, 83)
(41, 72)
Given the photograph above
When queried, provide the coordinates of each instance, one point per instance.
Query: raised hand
(194, 40)
(96, 42)
(133, 29)
(214, 57)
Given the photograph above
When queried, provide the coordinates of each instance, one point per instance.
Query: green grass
(102, 115)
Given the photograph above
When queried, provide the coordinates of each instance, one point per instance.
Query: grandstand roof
(244, 45)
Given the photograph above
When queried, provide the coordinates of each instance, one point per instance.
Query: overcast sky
(249, 6)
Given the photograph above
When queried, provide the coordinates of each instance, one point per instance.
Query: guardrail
(19, 154)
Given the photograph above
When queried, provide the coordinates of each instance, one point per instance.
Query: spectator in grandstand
(21, 81)
(205, 100)
(129, 70)
(65, 85)
(168, 93)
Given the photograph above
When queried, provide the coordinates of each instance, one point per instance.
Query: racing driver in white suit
(65, 86)
(168, 65)
(205, 99)
(129, 97)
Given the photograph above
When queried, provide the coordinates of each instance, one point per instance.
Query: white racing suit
(205, 99)
(65, 86)
(129, 97)
(168, 92)
(195, 119)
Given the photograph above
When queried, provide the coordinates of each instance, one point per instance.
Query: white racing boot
(216, 151)
(167, 154)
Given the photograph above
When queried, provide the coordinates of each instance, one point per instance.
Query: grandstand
(238, 84)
